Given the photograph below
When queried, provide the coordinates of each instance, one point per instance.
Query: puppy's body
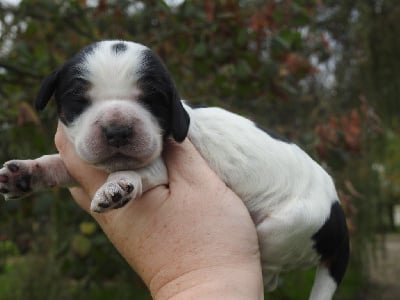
(291, 199)
(118, 103)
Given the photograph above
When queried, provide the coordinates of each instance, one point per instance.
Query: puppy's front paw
(15, 179)
(115, 194)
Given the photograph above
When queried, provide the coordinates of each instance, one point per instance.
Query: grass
(34, 278)
(297, 286)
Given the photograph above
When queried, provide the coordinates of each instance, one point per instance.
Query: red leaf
(209, 8)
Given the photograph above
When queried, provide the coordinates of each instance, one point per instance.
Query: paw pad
(12, 166)
(15, 179)
(112, 195)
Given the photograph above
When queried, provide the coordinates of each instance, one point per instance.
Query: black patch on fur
(13, 167)
(332, 243)
(23, 183)
(160, 96)
(122, 203)
(68, 86)
(104, 204)
(116, 197)
(119, 47)
(71, 102)
(129, 188)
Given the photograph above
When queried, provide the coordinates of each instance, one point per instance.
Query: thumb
(88, 177)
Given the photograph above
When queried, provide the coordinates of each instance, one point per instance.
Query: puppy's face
(117, 103)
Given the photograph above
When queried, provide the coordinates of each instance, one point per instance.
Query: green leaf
(243, 69)
(81, 245)
(291, 38)
(88, 228)
(200, 50)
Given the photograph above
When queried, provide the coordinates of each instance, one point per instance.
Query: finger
(60, 140)
(81, 198)
(88, 177)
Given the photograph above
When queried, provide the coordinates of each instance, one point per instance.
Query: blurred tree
(367, 77)
(365, 32)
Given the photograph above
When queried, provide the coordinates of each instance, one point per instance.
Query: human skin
(192, 239)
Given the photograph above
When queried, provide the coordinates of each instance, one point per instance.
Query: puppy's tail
(332, 242)
(324, 286)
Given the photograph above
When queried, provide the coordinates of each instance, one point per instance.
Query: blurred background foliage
(324, 73)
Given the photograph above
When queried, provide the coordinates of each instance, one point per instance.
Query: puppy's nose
(117, 136)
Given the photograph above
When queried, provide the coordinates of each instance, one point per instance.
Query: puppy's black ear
(47, 89)
(161, 96)
(179, 120)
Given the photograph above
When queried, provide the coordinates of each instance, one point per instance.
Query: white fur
(115, 81)
(324, 286)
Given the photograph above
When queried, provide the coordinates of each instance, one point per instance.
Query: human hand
(191, 240)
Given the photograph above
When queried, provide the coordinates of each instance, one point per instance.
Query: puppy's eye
(72, 107)
(80, 99)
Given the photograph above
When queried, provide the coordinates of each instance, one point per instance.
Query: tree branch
(19, 71)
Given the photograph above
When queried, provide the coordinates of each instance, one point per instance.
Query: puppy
(117, 104)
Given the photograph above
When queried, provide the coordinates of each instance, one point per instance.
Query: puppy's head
(117, 102)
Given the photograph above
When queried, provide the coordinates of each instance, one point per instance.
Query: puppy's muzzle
(117, 135)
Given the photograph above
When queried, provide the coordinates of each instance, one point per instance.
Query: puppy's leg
(324, 285)
(19, 178)
(123, 186)
(117, 191)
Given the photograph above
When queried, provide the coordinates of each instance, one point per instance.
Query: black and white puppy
(118, 103)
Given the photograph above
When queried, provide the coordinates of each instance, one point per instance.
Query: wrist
(239, 281)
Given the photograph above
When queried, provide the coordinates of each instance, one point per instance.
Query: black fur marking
(72, 102)
(332, 243)
(13, 167)
(159, 94)
(119, 47)
(122, 203)
(104, 205)
(68, 86)
(23, 183)
(46, 90)
(129, 188)
(116, 197)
